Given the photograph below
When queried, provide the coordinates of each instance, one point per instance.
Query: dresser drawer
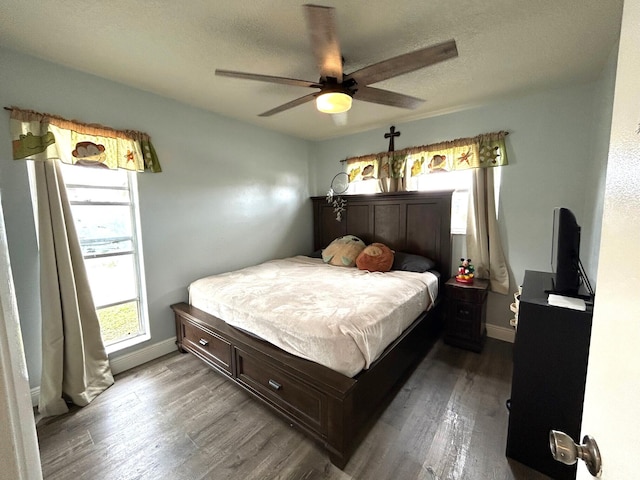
(207, 345)
(286, 393)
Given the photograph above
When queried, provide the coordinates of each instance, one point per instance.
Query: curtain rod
(82, 127)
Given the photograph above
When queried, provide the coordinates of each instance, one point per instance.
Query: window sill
(130, 342)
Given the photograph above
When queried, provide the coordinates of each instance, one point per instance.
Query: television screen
(565, 252)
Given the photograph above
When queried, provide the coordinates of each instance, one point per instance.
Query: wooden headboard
(412, 222)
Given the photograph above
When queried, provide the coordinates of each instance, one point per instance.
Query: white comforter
(339, 317)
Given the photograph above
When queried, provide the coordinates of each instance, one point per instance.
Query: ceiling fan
(336, 90)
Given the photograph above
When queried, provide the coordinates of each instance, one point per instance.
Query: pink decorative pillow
(377, 257)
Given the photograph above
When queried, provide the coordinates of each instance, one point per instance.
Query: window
(365, 186)
(104, 206)
(459, 181)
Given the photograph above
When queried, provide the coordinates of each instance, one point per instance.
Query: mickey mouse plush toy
(465, 271)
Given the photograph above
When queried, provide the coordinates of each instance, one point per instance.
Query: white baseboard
(501, 333)
(128, 361)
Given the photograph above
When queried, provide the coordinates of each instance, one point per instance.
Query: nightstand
(466, 312)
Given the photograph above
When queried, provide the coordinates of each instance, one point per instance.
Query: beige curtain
(391, 172)
(393, 184)
(484, 247)
(75, 366)
(19, 459)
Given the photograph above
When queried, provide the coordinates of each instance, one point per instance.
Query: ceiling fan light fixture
(333, 102)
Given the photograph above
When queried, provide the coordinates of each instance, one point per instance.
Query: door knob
(564, 450)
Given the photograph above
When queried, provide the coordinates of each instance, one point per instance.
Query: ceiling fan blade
(267, 78)
(288, 105)
(385, 97)
(405, 63)
(321, 22)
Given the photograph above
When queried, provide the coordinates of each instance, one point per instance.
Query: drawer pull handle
(203, 342)
(275, 385)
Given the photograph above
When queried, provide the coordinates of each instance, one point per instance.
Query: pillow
(377, 257)
(316, 254)
(343, 251)
(409, 262)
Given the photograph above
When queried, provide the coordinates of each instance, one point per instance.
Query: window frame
(136, 252)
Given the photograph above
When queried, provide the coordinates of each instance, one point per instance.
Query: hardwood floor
(172, 419)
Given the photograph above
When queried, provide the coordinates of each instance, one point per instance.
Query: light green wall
(230, 194)
(555, 147)
(233, 194)
(595, 183)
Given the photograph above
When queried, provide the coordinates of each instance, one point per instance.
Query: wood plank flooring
(174, 418)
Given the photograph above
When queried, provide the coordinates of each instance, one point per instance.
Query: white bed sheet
(342, 318)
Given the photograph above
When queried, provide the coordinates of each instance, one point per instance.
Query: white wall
(230, 195)
(595, 182)
(551, 158)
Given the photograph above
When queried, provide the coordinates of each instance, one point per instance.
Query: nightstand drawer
(465, 293)
(464, 312)
(462, 318)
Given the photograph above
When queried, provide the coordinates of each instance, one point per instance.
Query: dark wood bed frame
(334, 409)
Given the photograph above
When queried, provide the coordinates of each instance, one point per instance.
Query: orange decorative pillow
(377, 257)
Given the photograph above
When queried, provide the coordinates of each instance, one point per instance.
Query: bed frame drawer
(207, 345)
(282, 391)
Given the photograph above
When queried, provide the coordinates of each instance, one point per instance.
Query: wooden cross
(392, 133)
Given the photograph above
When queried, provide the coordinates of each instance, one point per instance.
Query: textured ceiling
(171, 48)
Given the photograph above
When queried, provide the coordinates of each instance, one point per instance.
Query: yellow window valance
(486, 150)
(42, 136)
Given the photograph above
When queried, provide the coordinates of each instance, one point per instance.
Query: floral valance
(41, 136)
(486, 150)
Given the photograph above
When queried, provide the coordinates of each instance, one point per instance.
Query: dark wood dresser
(466, 313)
(549, 372)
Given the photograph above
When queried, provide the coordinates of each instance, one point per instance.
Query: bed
(334, 407)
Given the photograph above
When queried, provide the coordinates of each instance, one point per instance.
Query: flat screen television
(565, 252)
